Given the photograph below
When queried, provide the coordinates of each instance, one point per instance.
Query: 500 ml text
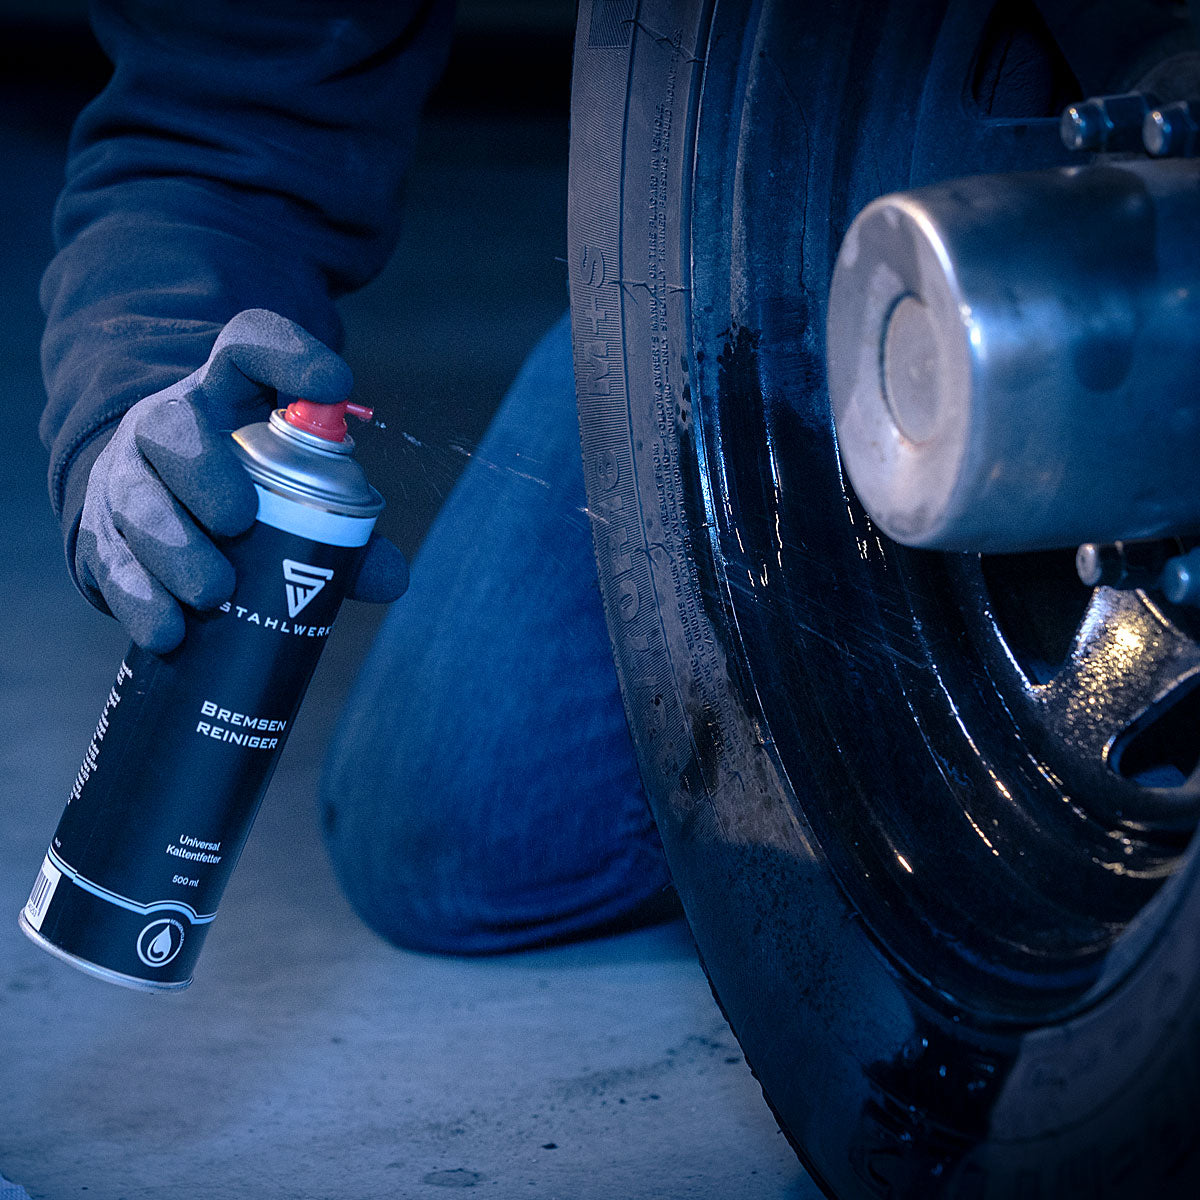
(226, 725)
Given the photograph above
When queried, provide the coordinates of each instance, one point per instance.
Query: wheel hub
(910, 370)
(1014, 361)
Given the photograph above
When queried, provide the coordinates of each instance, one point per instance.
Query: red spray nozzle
(325, 420)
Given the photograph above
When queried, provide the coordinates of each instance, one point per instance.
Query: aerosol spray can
(187, 741)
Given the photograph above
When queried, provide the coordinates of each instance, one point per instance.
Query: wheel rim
(931, 713)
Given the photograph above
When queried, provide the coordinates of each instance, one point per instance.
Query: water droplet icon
(160, 948)
(157, 945)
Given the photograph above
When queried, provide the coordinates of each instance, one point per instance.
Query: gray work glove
(168, 480)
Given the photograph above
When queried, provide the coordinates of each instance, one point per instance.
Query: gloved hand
(168, 482)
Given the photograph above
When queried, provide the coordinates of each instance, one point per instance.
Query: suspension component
(1014, 360)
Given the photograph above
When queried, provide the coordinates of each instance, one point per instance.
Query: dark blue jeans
(481, 792)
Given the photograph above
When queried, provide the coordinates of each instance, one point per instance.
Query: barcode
(42, 894)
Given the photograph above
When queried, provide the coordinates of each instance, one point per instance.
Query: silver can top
(306, 467)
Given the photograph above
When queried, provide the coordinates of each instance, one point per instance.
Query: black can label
(182, 754)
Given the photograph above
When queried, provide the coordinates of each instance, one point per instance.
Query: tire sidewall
(882, 1091)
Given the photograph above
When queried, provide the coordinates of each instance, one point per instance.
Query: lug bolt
(1171, 130)
(1180, 580)
(1106, 122)
(1083, 125)
(1124, 565)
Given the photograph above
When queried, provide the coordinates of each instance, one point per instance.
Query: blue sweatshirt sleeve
(246, 153)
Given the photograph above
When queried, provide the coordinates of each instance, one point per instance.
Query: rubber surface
(886, 1084)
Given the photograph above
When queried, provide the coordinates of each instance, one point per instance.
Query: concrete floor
(310, 1059)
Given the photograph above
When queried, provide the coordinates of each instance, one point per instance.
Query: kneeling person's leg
(481, 792)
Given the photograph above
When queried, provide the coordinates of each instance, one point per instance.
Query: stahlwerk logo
(303, 582)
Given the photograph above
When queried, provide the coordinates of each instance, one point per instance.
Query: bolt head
(1074, 129)
(1180, 579)
(1158, 134)
(1171, 129)
(1081, 127)
(1089, 563)
(1176, 581)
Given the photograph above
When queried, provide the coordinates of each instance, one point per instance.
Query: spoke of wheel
(1099, 38)
(1126, 657)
